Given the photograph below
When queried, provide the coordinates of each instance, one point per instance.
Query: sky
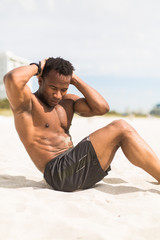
(114, 45)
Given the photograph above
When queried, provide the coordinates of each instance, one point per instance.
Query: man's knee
(122, 126)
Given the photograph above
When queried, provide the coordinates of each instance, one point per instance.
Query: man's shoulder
(70, 96)
(69, 100)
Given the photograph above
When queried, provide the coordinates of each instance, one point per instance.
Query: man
(43, 119)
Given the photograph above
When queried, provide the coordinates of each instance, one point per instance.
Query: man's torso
(44, 131)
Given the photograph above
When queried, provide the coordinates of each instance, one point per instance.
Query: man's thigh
(105, 142)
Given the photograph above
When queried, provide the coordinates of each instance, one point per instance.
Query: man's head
(55, 80)
(61, 66)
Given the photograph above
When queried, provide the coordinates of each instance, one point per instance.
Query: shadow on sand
(110, 188)
(7, 181)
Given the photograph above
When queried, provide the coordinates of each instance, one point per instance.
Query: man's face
(54, 87)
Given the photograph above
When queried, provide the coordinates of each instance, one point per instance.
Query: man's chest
(57, 118)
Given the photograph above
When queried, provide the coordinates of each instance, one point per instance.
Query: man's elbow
(9, 78)
(5, 78)
(103, 109)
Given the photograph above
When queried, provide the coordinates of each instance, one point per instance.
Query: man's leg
(117, 134)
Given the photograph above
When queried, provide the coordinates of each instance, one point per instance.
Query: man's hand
(74, 79)
(43, 62)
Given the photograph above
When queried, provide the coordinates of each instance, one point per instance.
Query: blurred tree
(4, 103)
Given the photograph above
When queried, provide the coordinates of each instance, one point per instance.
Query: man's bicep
(80, 105)
(81, 108)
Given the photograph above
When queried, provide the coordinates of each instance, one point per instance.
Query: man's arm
(19, 94)
(93, 103)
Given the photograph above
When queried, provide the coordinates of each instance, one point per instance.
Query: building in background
(9, 61)
(156, 110)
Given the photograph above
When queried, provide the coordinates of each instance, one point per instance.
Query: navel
(47, 125)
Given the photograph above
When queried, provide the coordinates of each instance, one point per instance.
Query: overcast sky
(113, 44)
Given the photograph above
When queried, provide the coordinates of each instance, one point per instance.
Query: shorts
(76, 168)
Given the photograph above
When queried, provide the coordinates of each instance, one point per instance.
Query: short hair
(58, 64)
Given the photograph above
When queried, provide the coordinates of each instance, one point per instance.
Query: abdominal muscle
(45, 147)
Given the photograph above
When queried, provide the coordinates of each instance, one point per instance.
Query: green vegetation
(4, 104)
(5, 109)
(131, 114)
(114, 114)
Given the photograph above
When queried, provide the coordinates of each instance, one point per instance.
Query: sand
(123, 206)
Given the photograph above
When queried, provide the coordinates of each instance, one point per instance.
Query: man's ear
(40, 80)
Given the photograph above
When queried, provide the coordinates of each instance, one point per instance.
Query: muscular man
(43, 119)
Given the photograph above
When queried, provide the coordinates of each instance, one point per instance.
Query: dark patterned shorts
(76, 168)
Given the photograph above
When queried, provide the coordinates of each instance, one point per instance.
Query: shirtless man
(43, 119)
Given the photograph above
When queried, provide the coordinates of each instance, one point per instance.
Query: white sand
(123, 206)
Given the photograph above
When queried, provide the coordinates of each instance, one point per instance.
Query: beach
(123, 206)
